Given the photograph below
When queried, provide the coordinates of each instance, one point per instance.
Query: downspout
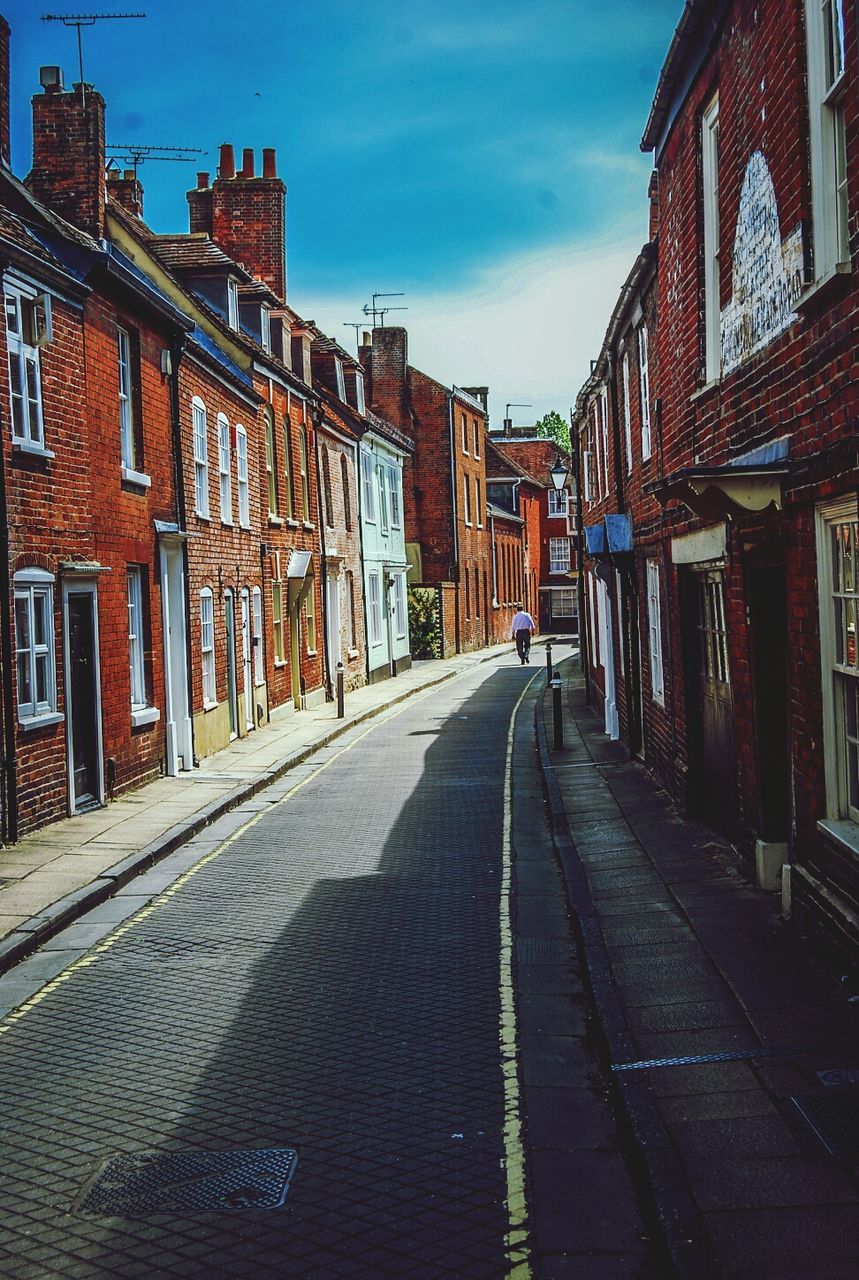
(584, 655)
(359, 491)
(625, 639)
(10, 759)
(452, 438)
(316, 416)
(177, 351)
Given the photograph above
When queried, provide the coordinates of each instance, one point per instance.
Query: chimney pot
(51, 79)
(128, 174)
(202, 181)
(269, 163)
(248, 162)
(227, 162)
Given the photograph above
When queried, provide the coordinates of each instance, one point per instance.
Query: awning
(750, 484)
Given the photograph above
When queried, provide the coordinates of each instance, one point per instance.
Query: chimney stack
(389, 363)
(68, 154)
(126, 189)
(508, 427)
(5, 150)
(246, 215)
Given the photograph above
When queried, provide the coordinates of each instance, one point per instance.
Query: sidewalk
(53, 876)
(721, 1031)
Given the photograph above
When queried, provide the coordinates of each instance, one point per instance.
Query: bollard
(557, 712)
(548, 662)
(341, 711)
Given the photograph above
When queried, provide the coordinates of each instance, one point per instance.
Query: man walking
(523, 629)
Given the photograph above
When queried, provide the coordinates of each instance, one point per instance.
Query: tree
(553, 427)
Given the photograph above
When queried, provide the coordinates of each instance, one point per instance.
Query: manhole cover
(839, 1076)
(834, 1117)
(190, 1181)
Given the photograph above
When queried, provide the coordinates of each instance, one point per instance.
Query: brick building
(521, 462)
(743, 516)
(447, 539)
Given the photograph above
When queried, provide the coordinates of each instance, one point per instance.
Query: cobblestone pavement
(325, 980)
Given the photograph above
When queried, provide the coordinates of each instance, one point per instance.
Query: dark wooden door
(717, 781)
(83, 698)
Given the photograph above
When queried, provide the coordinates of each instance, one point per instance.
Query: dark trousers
(523, 644)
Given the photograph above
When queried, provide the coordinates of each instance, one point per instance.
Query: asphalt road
(335, 980)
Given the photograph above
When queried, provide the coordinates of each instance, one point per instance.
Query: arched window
(225, 475)
(270, 471)
(305, 476)
(289, 479)
(242, 477)
(326, 488)
(207, 646)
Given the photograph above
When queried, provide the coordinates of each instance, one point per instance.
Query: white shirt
(522, 621)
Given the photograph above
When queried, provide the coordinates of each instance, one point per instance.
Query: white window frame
(270, 463)
(128, 451)
(478, 504)
(644, 390)
(256, 641)
(710, 187)
(558, 503)
(559, 555)
(201, 457)
(136, 658)
(564, 593)
(827, 134)
(277, 622)
(587, 468)
(627, 415)
(232, 302)
(34, 588)
(367, 486)
(225, 473)
(475, 433)
(304, 472)
(359, 393)
(466, 507)
(265, 328)
(837, 604)
(382, 476)
(207, 648)
(310, 639)
(604, 432)
(374, 609)
(23, 354)
(464, 428)
(242, 484)
(341, 381)
(595, 635)
(394, 492)
(654, 624)
(350, 610)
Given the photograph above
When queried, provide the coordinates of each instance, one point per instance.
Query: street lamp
(559, 473)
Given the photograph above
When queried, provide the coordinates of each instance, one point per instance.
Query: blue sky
(480, 156)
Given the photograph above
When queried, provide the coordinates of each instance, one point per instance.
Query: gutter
(177, 351)
(452, 444)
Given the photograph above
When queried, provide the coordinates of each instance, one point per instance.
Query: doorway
(83, 697)
(247, 662)
(711, 745)
(180, 741)
(232, 685)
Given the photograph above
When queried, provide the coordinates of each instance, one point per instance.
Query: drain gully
(190, 1182)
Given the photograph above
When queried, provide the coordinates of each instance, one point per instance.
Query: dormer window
(233, 302)
(341, 382)
(360, 403)
(265, 328)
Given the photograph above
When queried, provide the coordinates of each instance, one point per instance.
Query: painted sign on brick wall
(767, 271)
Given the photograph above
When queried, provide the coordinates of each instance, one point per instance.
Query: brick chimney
(126, 189)
(653, 197)
(389, 360)
(246, 215)
(5, 151)
(68, 154)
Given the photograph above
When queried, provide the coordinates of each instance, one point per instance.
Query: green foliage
(424, 631)
(553, 427)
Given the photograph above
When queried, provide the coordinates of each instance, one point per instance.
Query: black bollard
(341, 711)
(548, 662)
(557, 712)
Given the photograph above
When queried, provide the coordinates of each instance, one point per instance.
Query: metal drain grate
(190, 1181)
(542, 950)
(834, 1117)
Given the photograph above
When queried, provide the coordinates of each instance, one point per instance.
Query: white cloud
(528, 327)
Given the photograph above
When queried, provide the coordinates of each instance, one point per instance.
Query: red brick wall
(246, 216)
(68, 156)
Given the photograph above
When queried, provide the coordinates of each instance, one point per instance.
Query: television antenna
(136, 152)
(381, 312)
(357, 325)
(79, 20)
(513, 405)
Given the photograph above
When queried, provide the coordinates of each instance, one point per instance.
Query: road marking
(516, 1240)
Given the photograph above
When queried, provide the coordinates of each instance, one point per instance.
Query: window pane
(41, 679)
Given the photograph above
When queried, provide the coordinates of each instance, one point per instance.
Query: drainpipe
(10, 759)
(177, 351)
(453, 495)
(316, 414)
(584, 656)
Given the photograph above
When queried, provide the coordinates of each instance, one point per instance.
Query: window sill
(34, 450)
(259, 684)
(351, 653)
(293, 524)
(245, 528)
(206, 519)
(819, 289)
(144, 715)
(280, 663)
(210, 706)
(138, 478)
(311, 653)
(705, 389)
(308, 524)
(842, 832)
(274, 521)
(227, 524)
(30, 723)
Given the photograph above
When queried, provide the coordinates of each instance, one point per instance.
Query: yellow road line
(517, 1241)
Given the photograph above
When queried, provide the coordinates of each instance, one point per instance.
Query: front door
(232, 687)
(179, 733)
(84, 731)
(716, 784)
(247, 672)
